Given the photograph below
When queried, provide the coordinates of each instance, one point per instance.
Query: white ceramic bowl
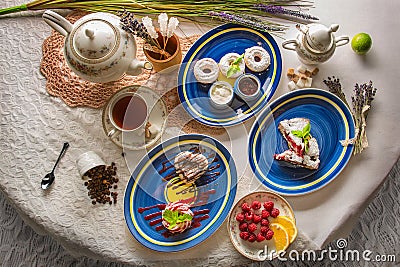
(220, 94)
(248, 87)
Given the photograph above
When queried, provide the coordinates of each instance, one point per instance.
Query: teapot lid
(95, 39)
(319, 37)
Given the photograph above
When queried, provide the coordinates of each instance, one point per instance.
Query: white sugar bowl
(315, 43)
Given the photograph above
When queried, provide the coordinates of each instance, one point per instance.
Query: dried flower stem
(361, 101)
(147, 32)
(273, 9)
(245, 20)
(336, 88)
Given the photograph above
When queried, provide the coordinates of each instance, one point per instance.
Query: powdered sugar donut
(226, 61)
(257, 58)
(206, 70)
(182, 208)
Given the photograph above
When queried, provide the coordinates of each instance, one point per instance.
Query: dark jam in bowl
(248, 86)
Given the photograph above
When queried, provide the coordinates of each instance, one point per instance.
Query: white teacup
(128, 112)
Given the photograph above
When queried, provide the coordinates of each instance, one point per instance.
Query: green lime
(361, 43)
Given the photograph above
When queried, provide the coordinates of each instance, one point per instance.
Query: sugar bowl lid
(94, 39)
(319, 37)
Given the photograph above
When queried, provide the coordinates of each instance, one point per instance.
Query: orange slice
(289, 226)
(281, 236)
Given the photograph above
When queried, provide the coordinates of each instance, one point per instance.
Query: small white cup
(88, 161)
(220, 94)
(128, 112)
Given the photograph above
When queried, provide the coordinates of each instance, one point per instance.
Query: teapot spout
(136, 67)
(57, 22)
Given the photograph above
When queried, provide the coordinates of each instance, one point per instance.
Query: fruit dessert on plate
(177, 217)
(303, 148)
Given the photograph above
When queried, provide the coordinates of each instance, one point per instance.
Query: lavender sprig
(131, 25)
(363, 96)
(272, 9)
(335, 87)
(361, 101)
(246, 21)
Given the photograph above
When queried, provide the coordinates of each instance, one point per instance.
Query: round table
(34, 125)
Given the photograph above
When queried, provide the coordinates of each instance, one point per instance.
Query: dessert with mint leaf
(303, 148)
(177, 217)
(232, 65)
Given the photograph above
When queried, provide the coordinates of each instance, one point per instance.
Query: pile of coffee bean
(101, 182)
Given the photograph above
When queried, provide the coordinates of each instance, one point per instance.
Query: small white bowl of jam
(248, 87)
(220, 94)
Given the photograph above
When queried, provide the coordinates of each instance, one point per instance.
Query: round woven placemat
(74, 91)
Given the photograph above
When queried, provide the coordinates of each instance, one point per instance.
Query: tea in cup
(128, 112)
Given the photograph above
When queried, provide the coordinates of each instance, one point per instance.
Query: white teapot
(315, 43)
(96, 48)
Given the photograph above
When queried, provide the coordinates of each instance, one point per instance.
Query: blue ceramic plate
(215, 44)
(154, 183)
(331, 121)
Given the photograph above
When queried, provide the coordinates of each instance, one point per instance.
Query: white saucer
(157, 118)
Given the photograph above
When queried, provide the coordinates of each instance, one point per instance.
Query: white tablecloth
(34, 125)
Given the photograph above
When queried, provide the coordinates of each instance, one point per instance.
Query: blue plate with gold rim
(154, 183)
(331, 121)
(227, 38)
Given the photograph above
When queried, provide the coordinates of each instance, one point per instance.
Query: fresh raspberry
(268, 205)
(260, 237)
(244, 235)
(252, 227)
(240, 217)
(256, 218)
(256, 205)
(252, 237)
(264, 229)
(243, 227)
(274, 212)
(264, 222)
(269, 234)
(265, 214)
(249, 216)
(245, 207)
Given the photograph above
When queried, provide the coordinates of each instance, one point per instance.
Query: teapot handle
(57, 22)
(286, 45)
(342, 40)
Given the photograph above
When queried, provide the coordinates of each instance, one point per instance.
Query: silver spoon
(49, 178)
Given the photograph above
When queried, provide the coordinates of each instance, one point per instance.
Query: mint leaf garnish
(168, 216)
(173, 217)
(234, 67)
(306, 145)
(232, 70)
(304, 134)
(298, 133)
(306, 130)
(184, 217)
